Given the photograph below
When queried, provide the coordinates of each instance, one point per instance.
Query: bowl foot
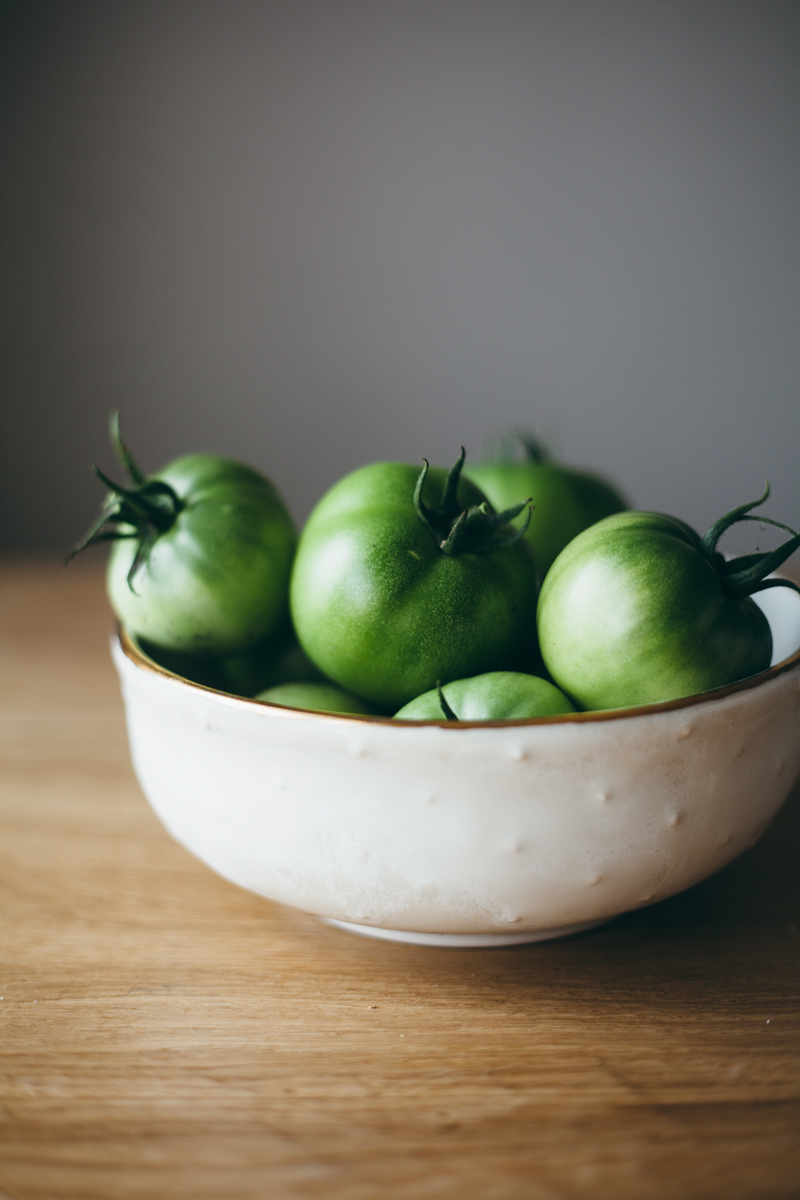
(463, 940)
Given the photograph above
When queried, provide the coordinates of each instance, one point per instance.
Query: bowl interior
(781, 607)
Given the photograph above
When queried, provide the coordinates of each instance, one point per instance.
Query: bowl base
(463, 940)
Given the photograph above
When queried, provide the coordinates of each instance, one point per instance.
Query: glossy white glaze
(498, 830)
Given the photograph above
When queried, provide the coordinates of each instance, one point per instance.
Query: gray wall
(320, 232)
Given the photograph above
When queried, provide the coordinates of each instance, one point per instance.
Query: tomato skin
(216, 582)
(633, 612)
(384, 612)
(316, 697)
(495, 696)
(565, 501)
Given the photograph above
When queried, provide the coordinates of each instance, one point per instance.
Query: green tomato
(495, 696)
(318, 697)
(202, 553)
(279, 660)
(639, 609)
(404, 578)
(565, 501)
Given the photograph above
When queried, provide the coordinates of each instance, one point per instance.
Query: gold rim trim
(137, 656)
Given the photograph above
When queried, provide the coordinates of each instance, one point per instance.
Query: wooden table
(163, 1034)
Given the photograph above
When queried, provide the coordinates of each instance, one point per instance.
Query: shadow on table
(741, 925)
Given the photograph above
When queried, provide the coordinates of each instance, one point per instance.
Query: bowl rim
(131, 649)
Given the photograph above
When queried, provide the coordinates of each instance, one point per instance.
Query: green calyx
(447, 711)
(507, 448)
(534, 451)
(747, 574)
(475, 530)
(144, 511)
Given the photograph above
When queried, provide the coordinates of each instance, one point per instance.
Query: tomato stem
(747, 574)
(473, 530)
(123, 453)
(446, 709)
(535, 451)
(144, 511)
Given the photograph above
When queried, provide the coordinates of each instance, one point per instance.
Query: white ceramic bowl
(468, 834)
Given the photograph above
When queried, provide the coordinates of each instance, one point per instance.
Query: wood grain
(163, 1034)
